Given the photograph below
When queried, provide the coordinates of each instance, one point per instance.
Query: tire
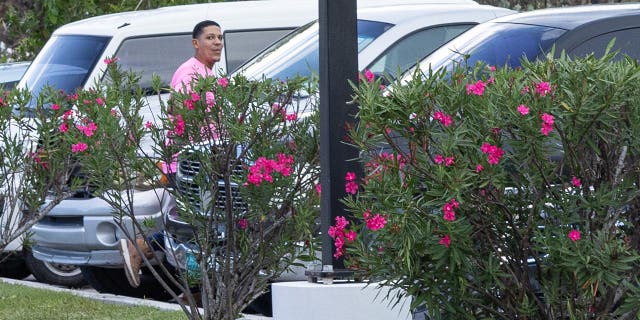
(52, 273)
(13, 266)
(114, 281)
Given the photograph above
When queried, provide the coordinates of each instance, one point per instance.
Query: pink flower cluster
(449, 210)
(444, 118)
(242, 223)
(575, 181)
(109, 61)
(524, 110)
(574, 235)
(79, 147)
(440, 159)
(351, 186)
(87, 130)
(368, 75)
(339, 234)
(445, 241)
(263, 168)
(547, 124)
(476, 88)
(374, 223)
(494, 153)
(223, 82)
(543, 88)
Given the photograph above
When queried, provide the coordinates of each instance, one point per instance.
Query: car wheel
(54, 273)
(114, 281)
(13, 266)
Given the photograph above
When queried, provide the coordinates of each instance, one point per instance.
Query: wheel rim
(63, 270)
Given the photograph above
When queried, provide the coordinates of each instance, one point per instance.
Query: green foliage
(20, 303)
(30, 25)
(522, 189)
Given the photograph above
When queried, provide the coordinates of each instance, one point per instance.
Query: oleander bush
(240, 158)
(499, 193)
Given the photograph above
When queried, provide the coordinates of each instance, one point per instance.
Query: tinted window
(160, 55)
(240, 46)
(406, 52)
(496, 44)
(297, 54)
(627, 41)
(64, 63)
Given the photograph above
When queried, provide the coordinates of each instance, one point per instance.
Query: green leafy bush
(501, 193)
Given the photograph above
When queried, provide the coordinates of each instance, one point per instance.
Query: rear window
(240, 46)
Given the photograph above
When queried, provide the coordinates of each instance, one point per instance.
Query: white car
(390, 39)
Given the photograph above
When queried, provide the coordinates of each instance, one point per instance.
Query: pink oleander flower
(189, 104)
(444, 118)
(318, 189)
(412, 116)
(575, 181)
(446, 241)
(292, 117)
(494, 153)
(543, 88)
(524, 90)
(350, 176)
(148, 125)
(179, 125)
(547, 124)
(99, 101)
(242, 223)
(223, 82)
(448, 161)
(492, 68)
(64, 127)
(479, 168)
(351, 187)
(439, 159)
(195, 97)
(263, 168)
(574, 235)
(109, 61)
(79, 147)
(351, 235)
(491, 80)
(88, 130)
(448, 209)
(524, 110)
(368, 75)
(53, 106)
(376, 222)
(476, 88)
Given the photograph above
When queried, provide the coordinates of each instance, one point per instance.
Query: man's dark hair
(197, 30)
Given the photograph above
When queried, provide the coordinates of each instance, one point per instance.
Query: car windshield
(64, 63)
(496, 44)
(297, 54)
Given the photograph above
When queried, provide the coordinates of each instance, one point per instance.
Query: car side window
(160, 55)
(242, 45)
(406, 52)
(625, 40)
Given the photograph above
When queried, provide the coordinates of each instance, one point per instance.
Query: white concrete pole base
(304, 300)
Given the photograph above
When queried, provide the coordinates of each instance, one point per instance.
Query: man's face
(209, 44)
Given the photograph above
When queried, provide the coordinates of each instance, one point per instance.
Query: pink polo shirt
(185, 73)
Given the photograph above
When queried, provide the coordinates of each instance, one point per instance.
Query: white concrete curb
(112, 298)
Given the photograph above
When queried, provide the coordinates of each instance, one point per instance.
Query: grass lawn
(20, 302)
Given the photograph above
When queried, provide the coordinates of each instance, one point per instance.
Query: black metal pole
(338, 63)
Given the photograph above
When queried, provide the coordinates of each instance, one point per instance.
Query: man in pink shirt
(207, 42)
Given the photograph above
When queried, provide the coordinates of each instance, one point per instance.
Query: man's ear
(194, 42)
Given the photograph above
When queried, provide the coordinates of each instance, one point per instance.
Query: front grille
(191, 192)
